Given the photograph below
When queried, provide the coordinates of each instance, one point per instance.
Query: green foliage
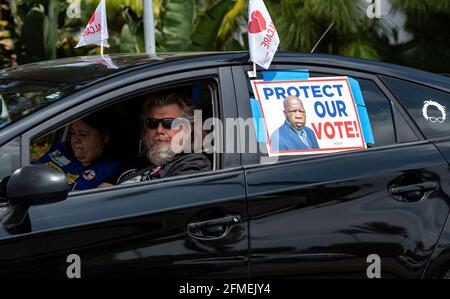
(7, 36)
(175, 24)
(33, 33)
(42, 28)
(132, 35)
(430, 47)
(43, 31)
(418, 7)
(360, 49)
(182, 25)
(300, 24)
(208, 25)
(233, 32)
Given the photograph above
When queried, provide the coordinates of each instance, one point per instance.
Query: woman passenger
(84, 160)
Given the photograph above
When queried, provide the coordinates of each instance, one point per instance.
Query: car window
(20, 98)
(427, 106)
(405, 131)
(378, 108)
(381, 116)
(41, 145)
(379, 111)
(63, 148)
(9, 158)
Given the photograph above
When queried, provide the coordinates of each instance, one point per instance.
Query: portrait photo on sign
(318, 115)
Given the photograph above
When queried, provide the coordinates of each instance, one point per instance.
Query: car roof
(84, 70)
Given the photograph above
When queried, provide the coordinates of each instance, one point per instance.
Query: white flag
(263, 38)
(96, 32)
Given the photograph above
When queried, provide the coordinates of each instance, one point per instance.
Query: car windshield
(20, 98)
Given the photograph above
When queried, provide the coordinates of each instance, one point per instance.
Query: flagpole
(149, 27)
(103, 11)
(252, 74)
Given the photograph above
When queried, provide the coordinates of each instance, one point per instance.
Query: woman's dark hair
(105, 121)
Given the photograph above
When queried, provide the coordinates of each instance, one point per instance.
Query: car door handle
(422, 187)
(212, 229)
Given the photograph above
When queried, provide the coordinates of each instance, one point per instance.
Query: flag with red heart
(96, 32)
(263, 39)
(257, 22)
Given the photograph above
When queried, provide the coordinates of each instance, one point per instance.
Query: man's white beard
(160, 154)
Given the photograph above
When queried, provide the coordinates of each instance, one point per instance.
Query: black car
(320, 215)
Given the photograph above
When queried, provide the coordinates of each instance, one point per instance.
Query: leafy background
(34, 30)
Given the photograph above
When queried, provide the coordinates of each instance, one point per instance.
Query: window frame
(419, 84)
(240, 73)
(223, 90)
(17, 140)
(64, 130)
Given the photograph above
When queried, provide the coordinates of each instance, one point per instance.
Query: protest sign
(318, 115)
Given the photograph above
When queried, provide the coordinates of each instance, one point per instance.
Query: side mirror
(36, 185)
(29, 186)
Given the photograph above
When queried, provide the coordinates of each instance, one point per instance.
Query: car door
(334, 215)
(427, 103)
(189, 226)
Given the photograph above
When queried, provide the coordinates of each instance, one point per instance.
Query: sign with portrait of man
(318, 115)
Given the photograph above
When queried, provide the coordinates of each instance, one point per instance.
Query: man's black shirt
(139, 169)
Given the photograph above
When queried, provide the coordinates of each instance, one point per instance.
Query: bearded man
(161, 137)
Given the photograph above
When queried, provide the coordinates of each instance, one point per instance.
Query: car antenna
(323, 35)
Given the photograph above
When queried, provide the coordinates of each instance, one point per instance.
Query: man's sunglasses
(153, 123)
